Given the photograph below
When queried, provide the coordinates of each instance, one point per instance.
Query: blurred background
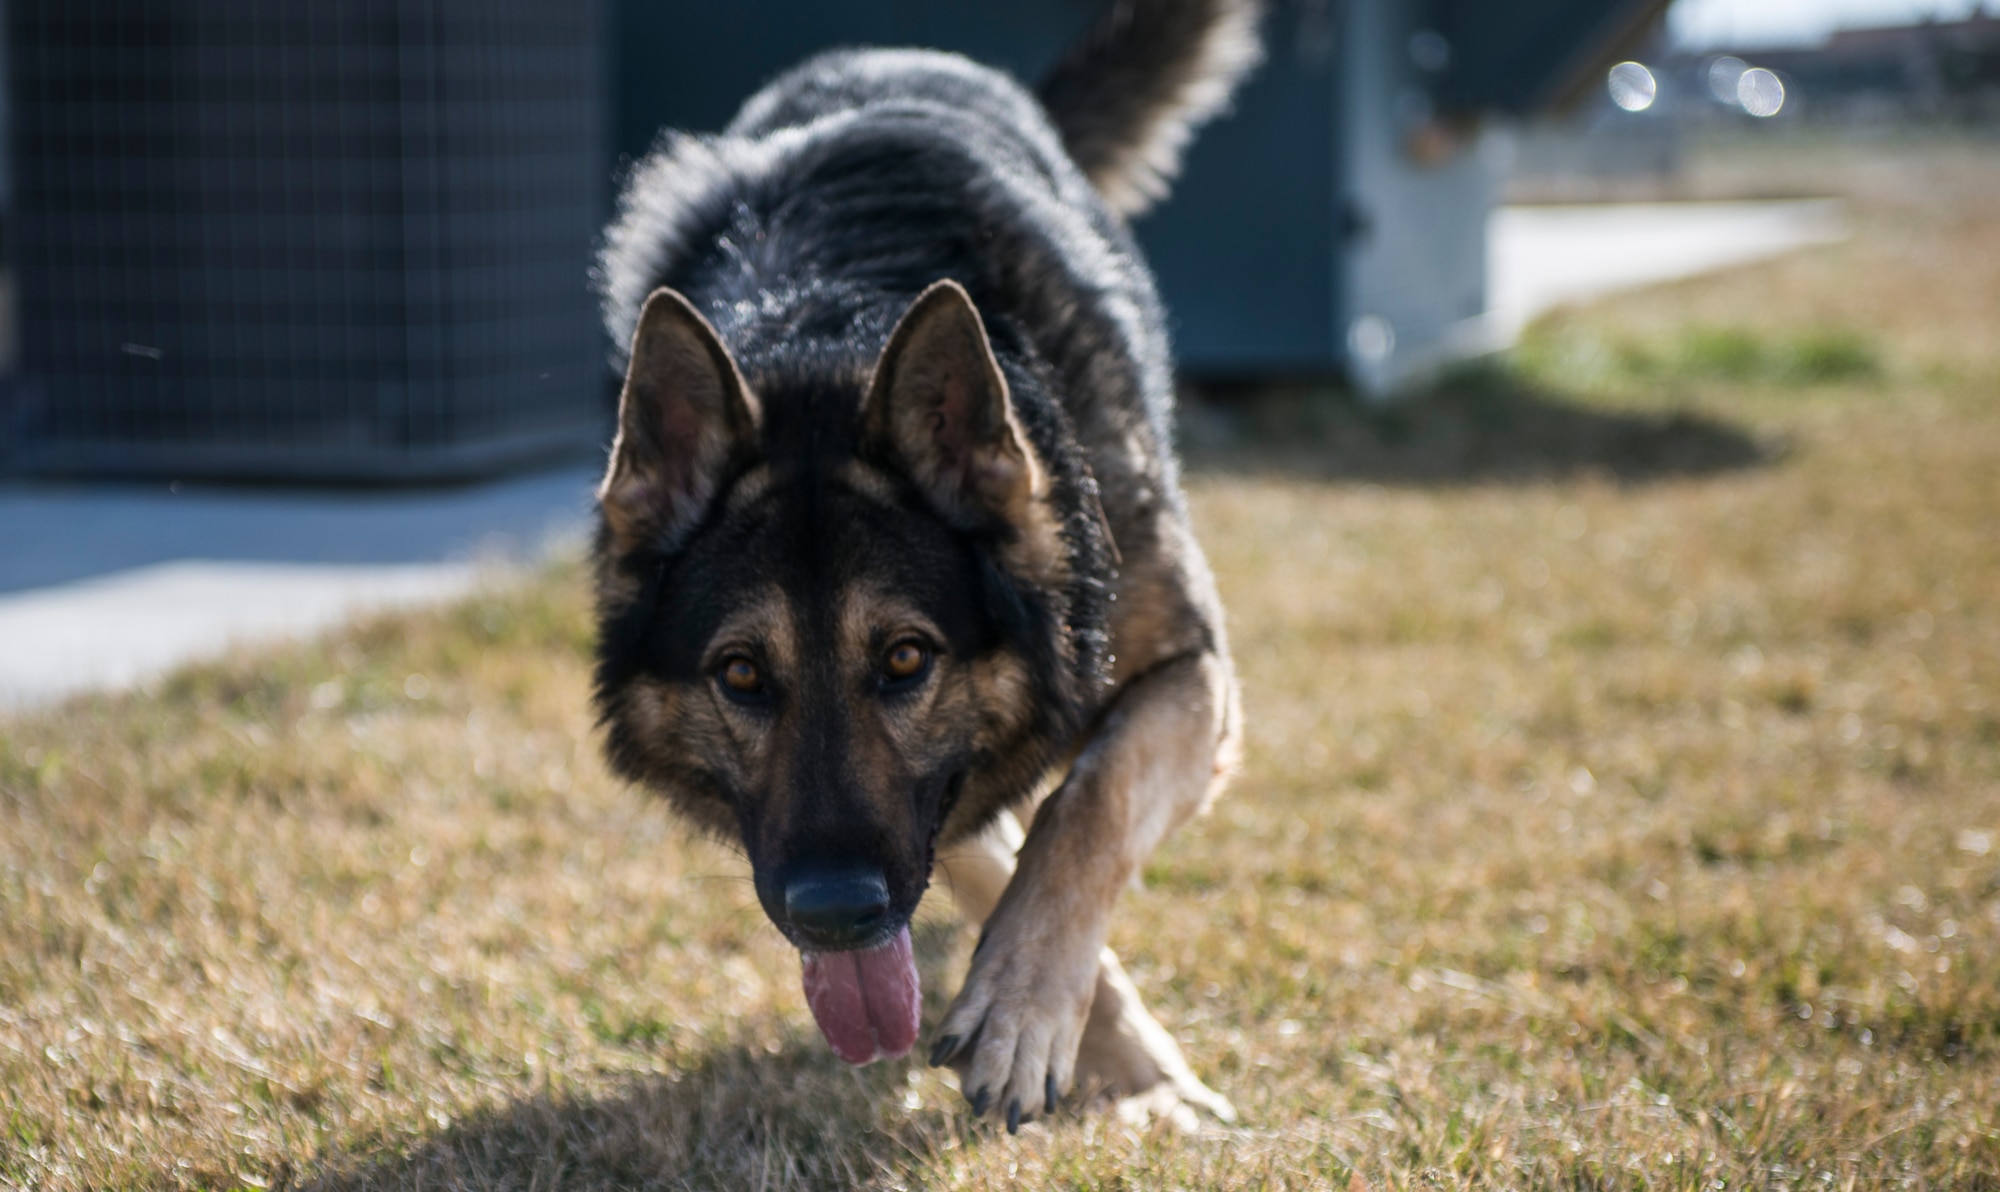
(349, 244)
(351, 241)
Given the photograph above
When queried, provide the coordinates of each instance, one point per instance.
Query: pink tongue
(867, 1003)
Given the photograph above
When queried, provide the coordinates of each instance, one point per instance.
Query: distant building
(1936, 69)
(1927, 72)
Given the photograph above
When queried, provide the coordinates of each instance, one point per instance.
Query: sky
(1700, 24)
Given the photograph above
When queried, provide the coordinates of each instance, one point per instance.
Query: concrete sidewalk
(117, 630)
(56, 534)
(1539, 258)
(104, 586)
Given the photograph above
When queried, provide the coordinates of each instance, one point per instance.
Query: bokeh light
(1632, 86)
(1760, 92)
(1371, 338)
(1723, 75)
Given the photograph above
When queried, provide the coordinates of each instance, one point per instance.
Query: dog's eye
(905, 662)
(740, 677)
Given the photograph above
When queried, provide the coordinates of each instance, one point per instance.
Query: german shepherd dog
(893, 555)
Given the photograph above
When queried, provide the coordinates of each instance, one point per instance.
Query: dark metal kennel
(343, 240)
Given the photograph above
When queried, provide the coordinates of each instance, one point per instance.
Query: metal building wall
(1418, 186)
(1248, 246)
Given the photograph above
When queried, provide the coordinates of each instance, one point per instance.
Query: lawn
(1621, 809)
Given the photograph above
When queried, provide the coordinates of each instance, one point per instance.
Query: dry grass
(1623, 809)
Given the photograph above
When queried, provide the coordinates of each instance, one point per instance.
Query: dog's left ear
(939, 404)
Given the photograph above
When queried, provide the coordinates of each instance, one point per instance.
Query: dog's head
(836, 621)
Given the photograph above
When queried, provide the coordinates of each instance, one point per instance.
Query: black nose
(837, 907)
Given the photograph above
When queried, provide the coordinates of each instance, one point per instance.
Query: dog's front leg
(1125, 1052)
(1014, 1030)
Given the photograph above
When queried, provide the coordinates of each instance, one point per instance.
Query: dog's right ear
(684, 414)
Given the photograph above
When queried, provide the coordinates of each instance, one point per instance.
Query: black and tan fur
(898, 387)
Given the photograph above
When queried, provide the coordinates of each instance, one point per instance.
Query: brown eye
(905, 660)
(741, 676)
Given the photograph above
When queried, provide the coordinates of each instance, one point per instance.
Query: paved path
(103, 586)
(1539, 258)
(116, 630)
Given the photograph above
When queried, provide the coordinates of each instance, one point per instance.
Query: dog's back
(850, 182)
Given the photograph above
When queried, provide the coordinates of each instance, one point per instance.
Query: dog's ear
(939, 405)
(684, 414)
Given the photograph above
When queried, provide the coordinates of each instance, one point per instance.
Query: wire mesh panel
(339, 239)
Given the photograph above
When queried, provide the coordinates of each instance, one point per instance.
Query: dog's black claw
(1014, 1116)
(943, 1050)
(980, 1100)
(1049, 1093)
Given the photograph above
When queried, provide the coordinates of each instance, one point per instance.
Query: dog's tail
(1127, 97)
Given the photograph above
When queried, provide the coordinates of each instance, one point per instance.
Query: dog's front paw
(1012, 1033)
